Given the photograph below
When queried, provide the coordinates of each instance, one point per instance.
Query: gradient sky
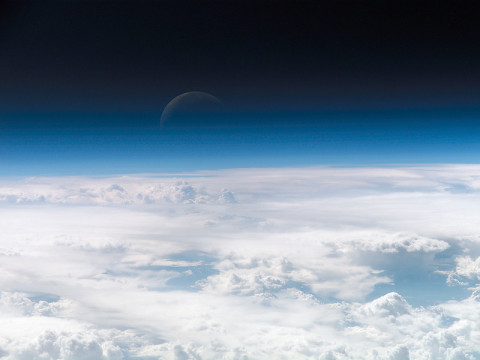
(83, 83)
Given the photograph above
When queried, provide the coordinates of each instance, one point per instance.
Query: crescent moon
(190, 104)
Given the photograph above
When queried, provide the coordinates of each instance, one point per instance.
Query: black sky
(133, 56)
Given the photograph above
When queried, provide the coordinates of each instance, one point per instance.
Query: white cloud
(468, 267)
(109, 191)
(390, 305)
(317, 263)
(400, 353)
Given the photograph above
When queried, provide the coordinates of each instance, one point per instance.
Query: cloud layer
(312, 263)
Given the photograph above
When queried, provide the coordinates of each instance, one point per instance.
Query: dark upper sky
(134, 56)
(83, 83)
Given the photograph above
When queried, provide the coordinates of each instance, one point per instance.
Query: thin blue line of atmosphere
(67, 144)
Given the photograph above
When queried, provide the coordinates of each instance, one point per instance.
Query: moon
(190, 108)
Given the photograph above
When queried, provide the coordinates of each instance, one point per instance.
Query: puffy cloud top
(314, 263)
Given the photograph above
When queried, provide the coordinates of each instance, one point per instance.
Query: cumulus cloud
(390, 305)
(468, 267)
(313, 263)
(111, 191)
